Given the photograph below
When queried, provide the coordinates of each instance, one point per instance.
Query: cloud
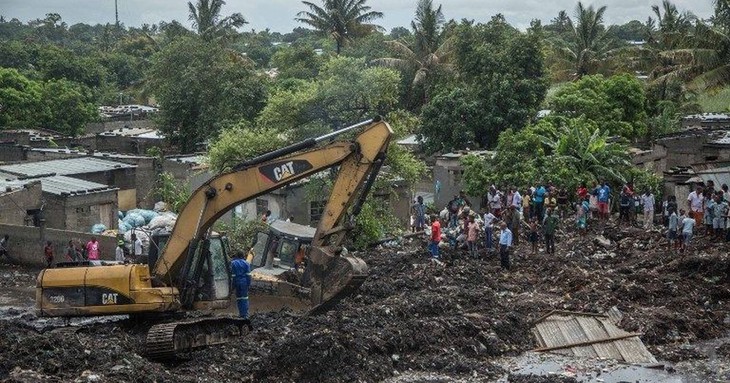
(278, 15)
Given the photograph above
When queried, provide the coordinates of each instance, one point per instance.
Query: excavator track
(168, 341)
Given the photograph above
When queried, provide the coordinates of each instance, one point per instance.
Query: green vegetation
(456, 84)
(717, 101)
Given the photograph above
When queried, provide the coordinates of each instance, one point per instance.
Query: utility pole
(116, 13)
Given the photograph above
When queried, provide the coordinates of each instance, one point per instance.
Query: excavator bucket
(333, 278)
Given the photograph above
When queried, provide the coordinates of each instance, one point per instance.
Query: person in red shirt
(582, 192)
(433, 245)
(48, 253)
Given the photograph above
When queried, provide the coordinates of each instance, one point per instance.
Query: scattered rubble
(442, 321)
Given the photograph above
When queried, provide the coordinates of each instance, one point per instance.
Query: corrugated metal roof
(64, 167)
(589, 335)
(62, 185)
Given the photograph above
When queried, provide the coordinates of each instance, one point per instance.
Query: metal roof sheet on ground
(67, 166)
(589, 335)
(62, 185)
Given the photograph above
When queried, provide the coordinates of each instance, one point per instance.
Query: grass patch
(715, 101)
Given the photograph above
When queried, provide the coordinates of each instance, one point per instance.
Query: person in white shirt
(647, 199)
(696, 204)
(119, 252)
(516, 199)
(488, 233)
(136, 247)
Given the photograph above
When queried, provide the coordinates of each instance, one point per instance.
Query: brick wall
(26, 243)
(80, 212)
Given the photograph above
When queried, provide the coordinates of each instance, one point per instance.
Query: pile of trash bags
(158, 218)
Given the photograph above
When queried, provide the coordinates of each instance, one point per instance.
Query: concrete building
(75, 204)
(706, 121)
(448, 173)
(121, 176)
(684, 149)
(130, 140)
(58, 202)
(20, 201)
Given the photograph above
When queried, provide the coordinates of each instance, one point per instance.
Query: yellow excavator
(191, 271)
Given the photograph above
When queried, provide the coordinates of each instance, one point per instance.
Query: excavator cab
(277, 249)
(206, 276)
(273, 258)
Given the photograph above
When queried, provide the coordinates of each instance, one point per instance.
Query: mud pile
(414, 316)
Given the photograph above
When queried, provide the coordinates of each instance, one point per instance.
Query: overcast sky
(278, 15)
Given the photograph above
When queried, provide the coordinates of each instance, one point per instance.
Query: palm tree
(206, 18)
(341, 19)
(670, 26)
(429, 51)
(587, 46)
(703, 65)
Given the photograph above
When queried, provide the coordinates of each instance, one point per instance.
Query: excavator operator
(241, 277)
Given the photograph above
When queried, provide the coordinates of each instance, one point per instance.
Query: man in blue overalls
(241, 277)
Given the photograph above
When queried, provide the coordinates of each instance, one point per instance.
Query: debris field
(416, 316)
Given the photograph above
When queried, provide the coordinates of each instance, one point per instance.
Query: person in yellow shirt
(526, 199)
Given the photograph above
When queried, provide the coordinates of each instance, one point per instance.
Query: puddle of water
(598, 371)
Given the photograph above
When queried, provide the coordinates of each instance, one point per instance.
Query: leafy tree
(616, 104)
(207, 21)
(59, 105)
(400, 33)
(340, 19)
(240, 142)
(500, 85)
(560, 25)
(297, 61)
(721, 19)
(65, 107)
(345, 90)
(634, 30)
(201, 88)
(19, 100)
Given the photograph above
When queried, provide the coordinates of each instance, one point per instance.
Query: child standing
(582, 216)
(471, 236)
(709, 213)
(687, 231)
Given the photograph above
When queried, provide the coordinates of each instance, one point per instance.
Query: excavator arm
(358, 161)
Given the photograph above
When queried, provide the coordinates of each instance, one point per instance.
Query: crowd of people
(539, 210)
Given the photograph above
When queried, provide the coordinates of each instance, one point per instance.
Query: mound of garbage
(414, 316)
